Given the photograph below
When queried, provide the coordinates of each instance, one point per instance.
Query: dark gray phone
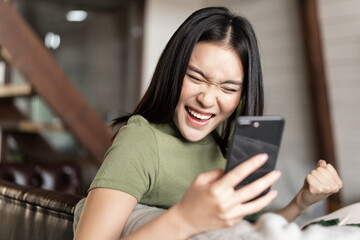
(253, 135)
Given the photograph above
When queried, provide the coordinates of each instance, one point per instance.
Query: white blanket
(270, 226)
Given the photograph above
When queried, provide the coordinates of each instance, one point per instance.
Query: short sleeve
(131, 163)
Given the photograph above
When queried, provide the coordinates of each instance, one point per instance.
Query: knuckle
(308, 177)
(223, 217)
(336, 188)
(229, 223)
(314, 191)
(214, 192)
(226, 220)
(221, 208)
(327, 189)
(200, 179)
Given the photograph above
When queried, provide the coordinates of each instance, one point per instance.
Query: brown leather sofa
(57, 176)
(28, 212)
(37, 201)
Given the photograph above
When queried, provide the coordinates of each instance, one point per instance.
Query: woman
(170, 151)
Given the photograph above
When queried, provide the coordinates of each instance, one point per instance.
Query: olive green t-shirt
(154, 163)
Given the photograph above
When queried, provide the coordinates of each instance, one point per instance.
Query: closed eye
(228, 87)
(231, 87)
(229, 90)
(194, 78)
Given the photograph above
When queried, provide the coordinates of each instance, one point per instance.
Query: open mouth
(199, 116)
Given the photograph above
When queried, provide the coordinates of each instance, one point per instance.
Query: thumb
(321, 163)
(210, 176)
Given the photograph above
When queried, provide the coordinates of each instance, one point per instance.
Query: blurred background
(109, 49)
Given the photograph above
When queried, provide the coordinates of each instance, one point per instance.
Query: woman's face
(211, 90)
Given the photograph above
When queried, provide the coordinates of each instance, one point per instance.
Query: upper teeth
(199, 115)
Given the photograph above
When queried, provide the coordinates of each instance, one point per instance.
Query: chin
(194, 139)
(194, 136)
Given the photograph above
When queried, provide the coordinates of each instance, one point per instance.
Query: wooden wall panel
(340, 29)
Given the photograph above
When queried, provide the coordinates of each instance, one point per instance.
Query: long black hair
(212, 24)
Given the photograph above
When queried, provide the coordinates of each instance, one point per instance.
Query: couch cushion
(32, 213)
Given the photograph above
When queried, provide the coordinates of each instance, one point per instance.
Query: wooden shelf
(15, 90)
(31, 127)
(5, 54)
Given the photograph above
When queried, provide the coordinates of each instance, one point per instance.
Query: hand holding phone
(253, 135)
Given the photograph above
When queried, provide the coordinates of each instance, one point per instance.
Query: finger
(209, 177)
(332, 170)
(321, 163)
(314, 185)
(325, 180)
(254, 189)
(330, 182)
(240, 172)
(241, 210)
(324, 176)
(258, 204)
(335, 174)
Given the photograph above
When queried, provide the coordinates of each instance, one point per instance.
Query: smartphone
(253, 135)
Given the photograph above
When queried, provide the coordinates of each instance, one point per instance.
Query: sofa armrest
(28, 212)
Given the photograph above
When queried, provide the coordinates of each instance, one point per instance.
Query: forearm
(168, 226)
(106, 212)
(292, 210)
(318, 185)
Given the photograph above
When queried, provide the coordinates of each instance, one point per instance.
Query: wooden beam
(35, 62)
(318, 88)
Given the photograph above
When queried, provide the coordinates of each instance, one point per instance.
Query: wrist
(183, 226)
(299, 203)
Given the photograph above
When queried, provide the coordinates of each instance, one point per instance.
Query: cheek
(184, 90)
(229, 104)
(187, 90)
(184, 96)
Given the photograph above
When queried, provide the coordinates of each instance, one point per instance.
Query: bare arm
(318, 185)
(104, 214)
(210, 203)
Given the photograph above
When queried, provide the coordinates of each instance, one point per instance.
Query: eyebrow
(235, 82)
(194, 69)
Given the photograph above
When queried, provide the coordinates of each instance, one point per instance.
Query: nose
(208, 97)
